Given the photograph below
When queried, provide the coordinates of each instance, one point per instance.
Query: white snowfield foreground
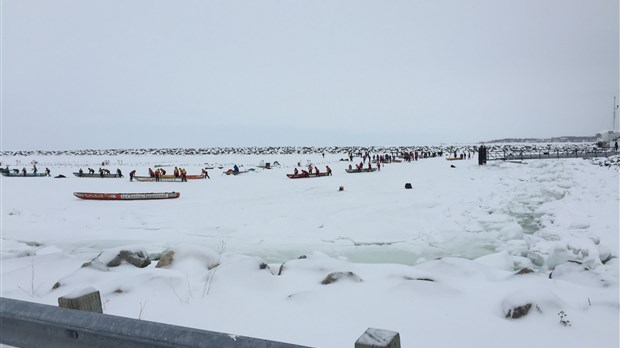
(437, 263)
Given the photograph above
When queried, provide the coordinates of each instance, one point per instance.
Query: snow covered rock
(554, 253)
(137, 258)
(604, 254)
(95, 264)
(336, 276)
(166, 259)
(302, 257)
(524, 271)
(519, 311)
(519, 303)
(501, 260)
(576, 272)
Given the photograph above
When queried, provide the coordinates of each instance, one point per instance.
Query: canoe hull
(105, 176)
(152, 179)
(28, 175)
(302, 176)
(126, 196)
(361, 171)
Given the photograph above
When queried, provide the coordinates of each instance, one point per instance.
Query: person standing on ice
(316, 170)
(47, 171)
(329, 170)
(119, 173)
(132, 174)
(205, 174)
(235, 169)
(616, 146)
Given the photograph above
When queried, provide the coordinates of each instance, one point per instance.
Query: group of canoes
(180, 174)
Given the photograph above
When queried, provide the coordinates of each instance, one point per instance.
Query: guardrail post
(378, 338)
(86, 300)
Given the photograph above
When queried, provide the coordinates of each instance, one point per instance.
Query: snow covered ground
(437, 263)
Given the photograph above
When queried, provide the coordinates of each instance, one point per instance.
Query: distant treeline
(565, 139)
(345, 150)
(275, 150)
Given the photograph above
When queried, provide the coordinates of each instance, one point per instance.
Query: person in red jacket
(329, 170)
(316, 170)
(296, 171)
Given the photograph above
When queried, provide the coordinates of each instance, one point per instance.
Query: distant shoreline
(513, 143)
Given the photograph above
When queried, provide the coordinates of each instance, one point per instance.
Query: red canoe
(126, 196)
(301, 175)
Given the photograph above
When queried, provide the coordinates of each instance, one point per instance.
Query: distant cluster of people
(102, 172)
(24, 172)
(462, 155)
(407, 156)
(312, 170)
(360, 167)
(160, 172)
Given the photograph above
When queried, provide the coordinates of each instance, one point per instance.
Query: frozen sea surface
(503, 216)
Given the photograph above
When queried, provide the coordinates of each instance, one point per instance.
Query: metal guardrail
(511, 155)
(26, 324)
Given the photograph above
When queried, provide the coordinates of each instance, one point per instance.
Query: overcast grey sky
(141, 73)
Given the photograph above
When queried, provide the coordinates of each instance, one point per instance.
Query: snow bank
(253, 253)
